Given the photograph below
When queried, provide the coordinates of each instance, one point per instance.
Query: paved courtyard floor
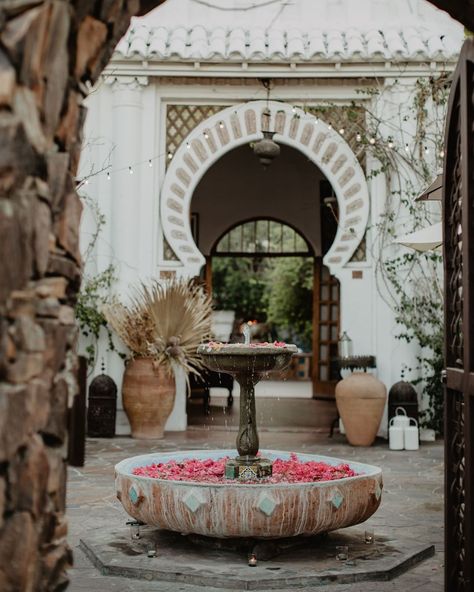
(412, 501)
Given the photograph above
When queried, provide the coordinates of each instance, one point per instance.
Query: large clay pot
(360, 400)
(148, 397)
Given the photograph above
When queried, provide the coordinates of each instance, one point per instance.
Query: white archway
(242, 124)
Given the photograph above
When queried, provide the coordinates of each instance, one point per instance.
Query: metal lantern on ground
(402, 394)
(102, 408)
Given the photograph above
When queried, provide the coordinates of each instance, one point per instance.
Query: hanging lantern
(266, 149)
(102, 407)
(345, 346)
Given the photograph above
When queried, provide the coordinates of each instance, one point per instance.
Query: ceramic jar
(360, 400)
(148, 393)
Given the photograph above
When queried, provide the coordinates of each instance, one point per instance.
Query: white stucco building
(170, 122)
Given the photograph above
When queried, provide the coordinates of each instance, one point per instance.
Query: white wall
(125, 127)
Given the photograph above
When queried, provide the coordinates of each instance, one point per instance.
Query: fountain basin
(261, 510)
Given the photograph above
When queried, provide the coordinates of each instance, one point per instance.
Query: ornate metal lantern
(266, 149)
(102, 408)
(344, 346)
(403, 394)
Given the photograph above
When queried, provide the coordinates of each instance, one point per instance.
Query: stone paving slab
(412, 503)
(306, 562)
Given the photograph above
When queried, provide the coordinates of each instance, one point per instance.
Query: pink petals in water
(212, 471)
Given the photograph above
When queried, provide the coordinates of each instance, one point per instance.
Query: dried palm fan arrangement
(165, 321)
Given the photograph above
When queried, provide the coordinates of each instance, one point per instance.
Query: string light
(407, 148)
(221, 125)
(342, 131)
(293, 109)
(150, 164)
(206, 135)
(86, 182)
(170, 155)
(358, 138)
(390, 144)
(130, 170)
(372, 141)
(108, 176)
(188, 145)
(316, 120)
(427, 150)
(441, 154)
(330, 127)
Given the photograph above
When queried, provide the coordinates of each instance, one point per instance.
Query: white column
(126, 186)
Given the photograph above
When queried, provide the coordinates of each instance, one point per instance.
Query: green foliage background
(274, 290)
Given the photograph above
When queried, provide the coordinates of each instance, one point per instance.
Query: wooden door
(326, 327)
(458, 216)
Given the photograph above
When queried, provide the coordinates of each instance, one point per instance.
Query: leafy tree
(290, 296)
(238, 283)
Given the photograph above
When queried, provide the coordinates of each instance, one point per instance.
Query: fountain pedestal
(248, 364)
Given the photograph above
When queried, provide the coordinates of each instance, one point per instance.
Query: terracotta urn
(148, 393)
(360, 400)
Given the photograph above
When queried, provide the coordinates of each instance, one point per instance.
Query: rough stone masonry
(50, 51)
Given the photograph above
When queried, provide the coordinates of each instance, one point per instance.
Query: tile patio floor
(412, 503)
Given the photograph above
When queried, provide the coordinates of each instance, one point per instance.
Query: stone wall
(50, 50)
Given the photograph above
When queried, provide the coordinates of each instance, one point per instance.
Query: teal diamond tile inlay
(337, 499)
(194, 500)
(248, 473)
(378, 490)
(133, 495)
(267, 504)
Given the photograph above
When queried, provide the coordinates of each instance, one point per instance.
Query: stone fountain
(248, 506)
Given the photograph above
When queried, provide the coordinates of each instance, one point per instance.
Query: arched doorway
(240, 209)
(240, 125)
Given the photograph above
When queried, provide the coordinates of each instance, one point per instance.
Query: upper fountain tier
(254, 358)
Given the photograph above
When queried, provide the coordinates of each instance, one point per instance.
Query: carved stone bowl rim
(126, 466)
(243, 350)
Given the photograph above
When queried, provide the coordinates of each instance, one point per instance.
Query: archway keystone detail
(242, 124)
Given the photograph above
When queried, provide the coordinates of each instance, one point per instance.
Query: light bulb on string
(170, 155)
(221, 125)
(427, 150)
(407, 148)
(358, 138)
(293, 109)
(372, 141)
(330, 127)
(206, 135)
(342, 131)
(316, 121)
(150, 164)
(441, 154)
(188, 145)
(390, 144)
(86, 181)
(108, 176)
(130, 170)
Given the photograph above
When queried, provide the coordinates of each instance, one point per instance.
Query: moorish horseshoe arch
(242, 124)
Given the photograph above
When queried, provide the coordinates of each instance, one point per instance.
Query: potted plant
(162, 327)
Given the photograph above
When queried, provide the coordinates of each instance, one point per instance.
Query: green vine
(410, 282)
(94, 295)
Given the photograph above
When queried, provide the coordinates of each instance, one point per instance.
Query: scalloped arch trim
(242, 124)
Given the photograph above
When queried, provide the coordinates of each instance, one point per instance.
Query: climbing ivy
(95, 294)
(406, 147)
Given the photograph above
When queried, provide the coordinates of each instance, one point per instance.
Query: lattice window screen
(182, 119)
(351, 120)
(360, 254)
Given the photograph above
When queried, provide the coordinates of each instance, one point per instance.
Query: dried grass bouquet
(165, 321)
